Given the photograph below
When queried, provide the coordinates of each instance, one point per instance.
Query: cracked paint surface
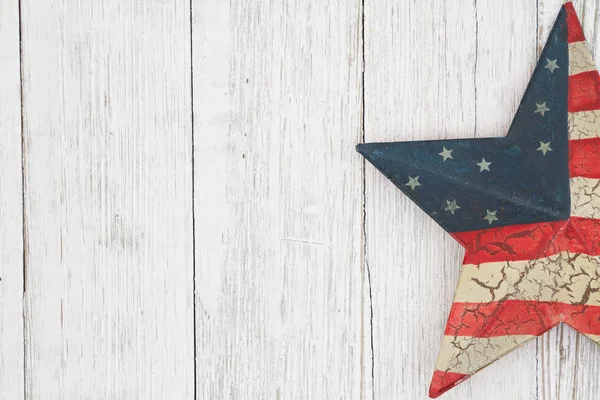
(566, 277)
(585, 197)
(580, 58)
(525, 207)
(584, 125)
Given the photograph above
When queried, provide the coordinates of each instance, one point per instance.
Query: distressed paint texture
(535, 266)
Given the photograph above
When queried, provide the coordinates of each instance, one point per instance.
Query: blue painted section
(522, 185)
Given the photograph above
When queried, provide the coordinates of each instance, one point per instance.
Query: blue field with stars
(473, 184)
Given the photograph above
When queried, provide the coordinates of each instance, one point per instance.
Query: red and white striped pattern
(519, 281)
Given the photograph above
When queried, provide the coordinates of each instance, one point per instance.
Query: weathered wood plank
(435, 75)
(278, 199)
(108, 178)
(11, 208)
(568, 362)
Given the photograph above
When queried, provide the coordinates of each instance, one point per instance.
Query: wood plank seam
(366, 267)
(23, 216)
(193, 186)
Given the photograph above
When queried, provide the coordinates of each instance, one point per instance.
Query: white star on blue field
(472, 184)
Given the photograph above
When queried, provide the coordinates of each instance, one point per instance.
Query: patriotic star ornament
(526, 207)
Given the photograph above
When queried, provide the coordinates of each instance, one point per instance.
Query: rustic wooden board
(108, 199)
(251, 235)
(278, 200)
(435, 75)
(11, 208)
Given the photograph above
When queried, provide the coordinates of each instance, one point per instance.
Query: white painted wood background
(183, 214)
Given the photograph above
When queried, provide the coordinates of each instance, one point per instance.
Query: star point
(541, 109)
(446, 154)
(484, 165)
(551, 65)
(544, 147)
(413, 183)
(451, 206)
(491, 216)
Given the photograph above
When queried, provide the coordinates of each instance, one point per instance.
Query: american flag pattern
(526, 207)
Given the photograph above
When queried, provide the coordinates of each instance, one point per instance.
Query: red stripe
(508, 243)
(575, 33)
(519, 317)
(443, 381)
(587, 233)
(584, 319)
(584, 91)
(531, 241)
(584, 158)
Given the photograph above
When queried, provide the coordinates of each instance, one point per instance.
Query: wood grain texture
(11, 208)
(278, 200)
(315, 277)
(435, 75)
(108, 199)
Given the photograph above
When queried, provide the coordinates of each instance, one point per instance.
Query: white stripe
(585, 197)
(467, 355)
(566, 278)
(580, 58)
(584, 125)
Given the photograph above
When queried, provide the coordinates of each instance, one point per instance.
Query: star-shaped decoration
(551, 65)
(446, 154)
(484, 165)
(451, 206)
(544, 147)
(413, 182)
(541, 109)
(491, 216)
(532, 259)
